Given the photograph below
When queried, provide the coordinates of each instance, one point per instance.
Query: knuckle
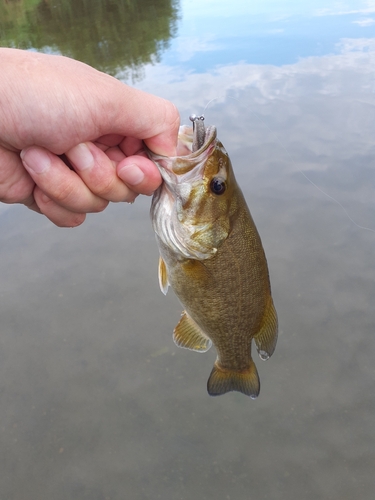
(74, 220)
(106, 188)
(13, 196)
(99, 206)
(60, 216)
(173, 117)
(109, 188)
(65, 194)
(16, 189)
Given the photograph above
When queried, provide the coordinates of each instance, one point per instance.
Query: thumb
(144, 116)
(166, 126)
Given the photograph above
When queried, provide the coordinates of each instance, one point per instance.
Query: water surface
(96, 400)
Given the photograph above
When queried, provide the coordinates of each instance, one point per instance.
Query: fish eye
(218, 185)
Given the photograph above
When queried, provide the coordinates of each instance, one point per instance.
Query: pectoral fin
(245, 381)
(163, 276)
(266, 339)
(187, 334)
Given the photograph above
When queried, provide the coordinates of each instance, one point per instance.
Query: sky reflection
(268, 32)
(350, 69)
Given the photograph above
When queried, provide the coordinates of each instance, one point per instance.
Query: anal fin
(187, 334)
(245, 381)
(265, 340)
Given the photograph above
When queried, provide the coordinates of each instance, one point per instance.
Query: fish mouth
(174, 169)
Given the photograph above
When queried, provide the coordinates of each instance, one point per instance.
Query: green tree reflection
(111, 35)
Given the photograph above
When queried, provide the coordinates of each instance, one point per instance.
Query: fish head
(192, 209)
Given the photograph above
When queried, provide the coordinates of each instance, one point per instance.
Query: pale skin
(52, 106)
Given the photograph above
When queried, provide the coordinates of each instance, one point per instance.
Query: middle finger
(59, 183)
(98, 172)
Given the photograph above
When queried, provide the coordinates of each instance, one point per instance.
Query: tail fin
(245, 381)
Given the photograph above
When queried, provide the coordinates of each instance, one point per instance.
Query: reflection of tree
(13, 22)
(107, 34)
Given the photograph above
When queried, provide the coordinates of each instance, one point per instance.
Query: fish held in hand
(212, 256)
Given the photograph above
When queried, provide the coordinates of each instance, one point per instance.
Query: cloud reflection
(314, 116)
(351, 69)
(188, 46)
(340, 10)
(365, 22)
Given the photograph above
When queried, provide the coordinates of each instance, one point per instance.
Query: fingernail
(35, 159)
(131, 174)
(81, 157)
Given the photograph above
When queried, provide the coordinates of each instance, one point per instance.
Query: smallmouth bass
(212, 256)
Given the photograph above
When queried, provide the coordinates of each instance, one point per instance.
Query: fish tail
(245, 381)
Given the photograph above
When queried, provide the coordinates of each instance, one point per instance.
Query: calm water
(96, 400)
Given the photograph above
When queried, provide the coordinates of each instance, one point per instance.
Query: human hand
(53, 109)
